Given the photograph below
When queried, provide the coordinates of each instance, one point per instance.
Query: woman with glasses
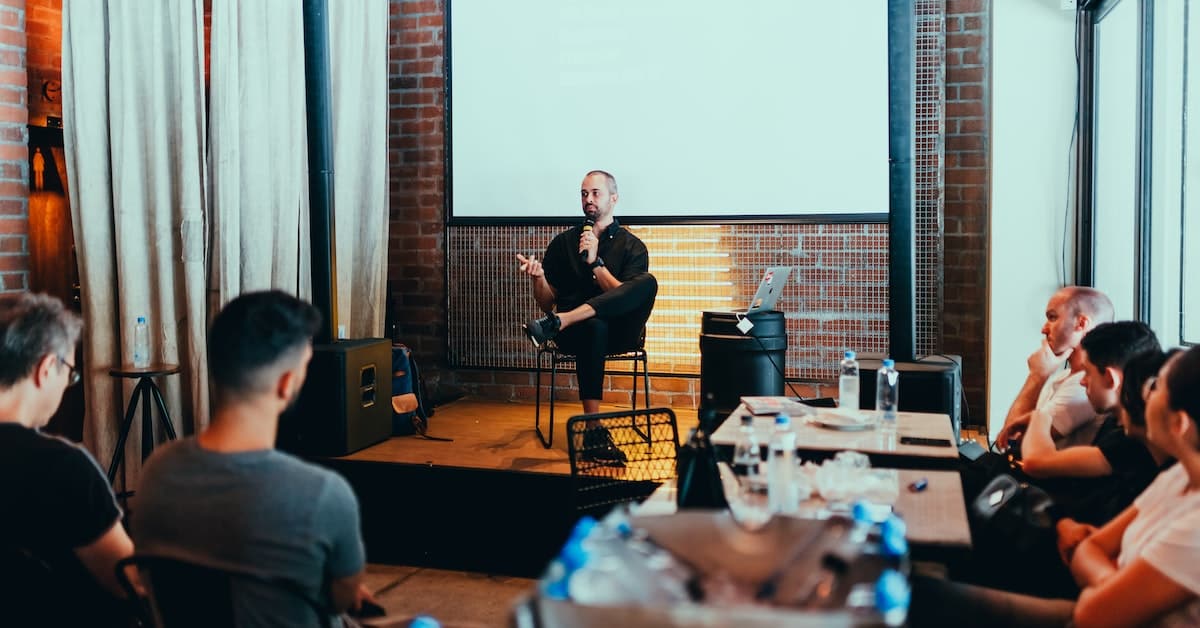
(61, 534)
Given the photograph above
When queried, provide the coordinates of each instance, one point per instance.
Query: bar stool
(145, 390)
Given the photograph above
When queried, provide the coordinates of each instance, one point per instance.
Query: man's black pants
(621, 315)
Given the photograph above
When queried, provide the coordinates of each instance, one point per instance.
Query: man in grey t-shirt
(228, 499)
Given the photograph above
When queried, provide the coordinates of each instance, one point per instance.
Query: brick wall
(14, 152)
(967, 192)
(417, 262)
(416, 132)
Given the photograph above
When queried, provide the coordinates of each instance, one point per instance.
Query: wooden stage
(493, 500)
(493, 435)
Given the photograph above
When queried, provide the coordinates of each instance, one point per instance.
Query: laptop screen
(769, 289)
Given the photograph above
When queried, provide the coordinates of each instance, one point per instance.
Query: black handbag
(699, 479)
(1015, 514)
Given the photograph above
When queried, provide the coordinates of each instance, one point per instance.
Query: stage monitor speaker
(345, 404)
(931, 385)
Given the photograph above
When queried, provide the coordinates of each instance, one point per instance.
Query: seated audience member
(1117, 466)
(227, 499)
(1138, 569)
(1049, 387)
(1132, 415)
(62, 516)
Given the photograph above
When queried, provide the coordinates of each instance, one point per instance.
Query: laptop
(769, 289)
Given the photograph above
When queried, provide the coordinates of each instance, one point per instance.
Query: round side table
(145, 390)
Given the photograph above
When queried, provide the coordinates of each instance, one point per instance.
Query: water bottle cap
(424, 621)
(573, 555)
(782, 419)
(584, 527)
(849, 355)
(892, 536)
(888, 362)
(141, 319)
(892, 591)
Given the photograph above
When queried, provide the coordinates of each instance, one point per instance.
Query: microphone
(587, 226)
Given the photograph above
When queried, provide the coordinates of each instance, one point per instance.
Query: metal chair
(183, 594)
(649, 438)
(636, 355)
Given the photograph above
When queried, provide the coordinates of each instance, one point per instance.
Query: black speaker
(345, 404)
(931, 385)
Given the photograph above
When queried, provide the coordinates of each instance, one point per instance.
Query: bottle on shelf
(887, 395)
(782, 496)
(141, 343)
(848, 382)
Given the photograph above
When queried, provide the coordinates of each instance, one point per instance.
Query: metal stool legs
(145, 391)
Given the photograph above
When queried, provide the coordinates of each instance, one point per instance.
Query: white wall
(1033, 105)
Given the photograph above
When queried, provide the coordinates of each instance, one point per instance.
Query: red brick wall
(967, 191)
(14, 152)
(416, 132)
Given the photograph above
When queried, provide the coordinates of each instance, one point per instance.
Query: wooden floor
(491, 435)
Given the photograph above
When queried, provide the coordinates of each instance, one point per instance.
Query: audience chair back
(649, 440)
(639, 368)
(187, 595)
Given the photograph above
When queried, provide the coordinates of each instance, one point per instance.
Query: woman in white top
(1141, 568)
(1144, 566)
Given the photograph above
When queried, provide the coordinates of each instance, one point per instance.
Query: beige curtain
(133, 98)
(358, 33)
(259, 153)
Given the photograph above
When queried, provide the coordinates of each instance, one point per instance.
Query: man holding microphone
(596, 289)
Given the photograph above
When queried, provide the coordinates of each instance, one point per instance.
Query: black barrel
(733, 364)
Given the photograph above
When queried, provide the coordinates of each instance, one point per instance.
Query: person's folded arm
(1096, 557)
(1072, 462)
(1132, 596)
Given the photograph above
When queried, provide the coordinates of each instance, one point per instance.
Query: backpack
(410, 409)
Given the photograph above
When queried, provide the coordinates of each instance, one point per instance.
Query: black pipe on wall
(317, 92)
(902, 261)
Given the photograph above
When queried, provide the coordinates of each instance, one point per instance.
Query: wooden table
(814, 442)
(936, 516)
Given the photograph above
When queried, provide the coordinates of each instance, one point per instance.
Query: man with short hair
(596, 289)
(1055, 391)
(61, 512)
(227, 499)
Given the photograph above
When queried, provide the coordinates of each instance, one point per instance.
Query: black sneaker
(598, 447)
(539, 330)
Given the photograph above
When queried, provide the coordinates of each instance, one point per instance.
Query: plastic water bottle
(781, 468)
(746, 453)
(848, 383)
(141, 343)
(887, 395)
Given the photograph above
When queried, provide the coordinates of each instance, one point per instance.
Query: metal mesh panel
(930, 95)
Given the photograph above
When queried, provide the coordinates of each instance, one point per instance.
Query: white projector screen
(700, 109)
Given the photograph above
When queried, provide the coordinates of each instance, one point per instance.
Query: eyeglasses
(74, 376)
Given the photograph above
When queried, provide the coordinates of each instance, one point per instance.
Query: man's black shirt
(623, 253)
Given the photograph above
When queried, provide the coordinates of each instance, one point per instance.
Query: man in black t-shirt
(594, 285)
(61, 534)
